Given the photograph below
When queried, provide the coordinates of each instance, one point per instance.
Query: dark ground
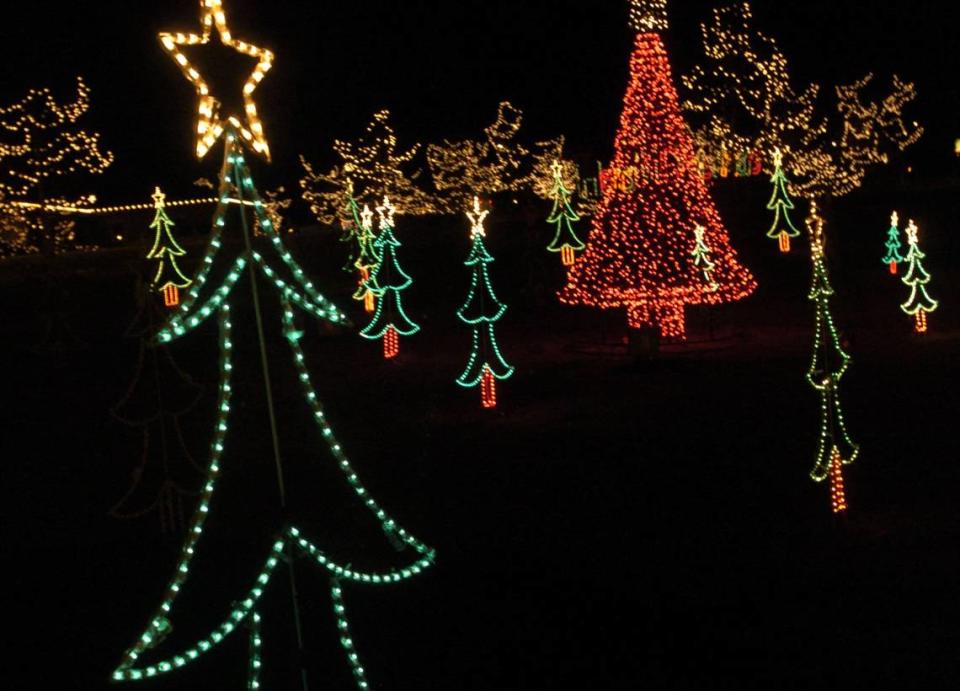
(615, 524)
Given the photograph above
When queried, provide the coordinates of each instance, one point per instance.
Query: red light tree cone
(488, 389)
(638, 253)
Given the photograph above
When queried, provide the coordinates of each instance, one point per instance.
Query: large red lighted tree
(638, 255)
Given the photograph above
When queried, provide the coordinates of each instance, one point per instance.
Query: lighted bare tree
(376, 168)
(747, 101)
(43, 147)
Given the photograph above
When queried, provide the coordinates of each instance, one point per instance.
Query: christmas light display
(159, 395)
(565, 240)
(462, 170)
(168, 278)
(648, 15)
(781, 204)
(50, 150)
(367, 262)
(270, 259)
(374, 168)
(838, 492)
(745, 96)
(482, 310)
(920, 303)
(893, 258)
(542, 179)
(701, 258)
(829, 364)
(275, 205)
(638, 253)
(211, 123)
(388, 281)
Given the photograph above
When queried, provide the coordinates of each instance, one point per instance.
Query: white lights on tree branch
(648, 15)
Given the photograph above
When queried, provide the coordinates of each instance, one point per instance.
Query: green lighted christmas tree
(482, 310)
(256, 261)
(367, 262)
(168, 279)
(920, 303)
(701, 259)
(390, 321)
(781, 204)
(893, 258)
(565, 240)
(828, 366)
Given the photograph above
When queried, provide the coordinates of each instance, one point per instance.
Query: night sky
(441, 67)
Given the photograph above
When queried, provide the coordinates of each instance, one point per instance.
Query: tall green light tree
(482, 310)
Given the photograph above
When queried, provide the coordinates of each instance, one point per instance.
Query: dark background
(618, 523)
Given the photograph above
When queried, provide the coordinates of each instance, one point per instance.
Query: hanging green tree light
(482, 310)
(828, 366)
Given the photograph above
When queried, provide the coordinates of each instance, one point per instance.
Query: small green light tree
(168, 278)
(920, 303)
(565, 240)
(893, 258)
(701, 259)
(390, 321)
(781, 204)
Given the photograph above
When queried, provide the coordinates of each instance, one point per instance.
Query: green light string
(825, 379)
(241, 173)
(304, 293)
(387, 523)
(485, 353)
(159, 622)
(256, 645)
(343, 626)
